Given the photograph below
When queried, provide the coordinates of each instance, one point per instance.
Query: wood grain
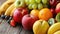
(5, 28)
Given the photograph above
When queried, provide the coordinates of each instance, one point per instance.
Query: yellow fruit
(35, 12)
(40, 27)
(12, 0)
(11, 14)
(9, 10)
(57, 32)
(4, 6)
(55, 27)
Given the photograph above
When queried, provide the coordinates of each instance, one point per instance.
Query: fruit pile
(41, 16)
(36, 4)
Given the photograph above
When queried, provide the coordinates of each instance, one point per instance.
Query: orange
(45, 14)
(35, 12)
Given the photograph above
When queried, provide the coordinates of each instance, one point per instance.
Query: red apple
(53, 3)
(19, 13)
(28, 21)
(53, 12)
(57, 8)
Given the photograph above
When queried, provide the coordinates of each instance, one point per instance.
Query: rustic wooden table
(5, 28)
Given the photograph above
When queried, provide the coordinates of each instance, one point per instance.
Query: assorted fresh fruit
(36, 4)
(19, 13)
(41, 16)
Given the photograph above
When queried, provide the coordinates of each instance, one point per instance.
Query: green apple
(34, 6)
(38, 1)
(19, 3)
(40, 6)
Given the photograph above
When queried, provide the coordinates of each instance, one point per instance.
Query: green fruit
(51, 21)
(34, 6)
(31, 1)
(30, 6)
(45, 6)
(40, 6)
(44, 1)
(19, 3)
(58, 17)
(27, 2)
(38, 1)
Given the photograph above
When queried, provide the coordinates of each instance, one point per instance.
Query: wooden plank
(26, 31)
(13, 30)
(5, 28)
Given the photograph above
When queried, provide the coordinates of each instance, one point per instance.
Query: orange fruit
(35, 12)
(45, 14)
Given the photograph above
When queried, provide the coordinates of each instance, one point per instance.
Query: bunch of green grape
(37, 4)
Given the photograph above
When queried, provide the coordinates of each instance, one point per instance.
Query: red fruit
(28, 21)
(57, 8)
(19, 13)
(53, 3)
(12, 23)
(24, 11)
(53, 12)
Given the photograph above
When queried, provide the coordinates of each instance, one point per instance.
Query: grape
(40, 6)
(34, 6)
(30, 6)
(31, 1)
(7, 17)
(45, 6)
(27, 2)
(3, 16)
(38, 1)
(44, 1)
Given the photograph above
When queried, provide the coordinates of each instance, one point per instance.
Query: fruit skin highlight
(57, 8)
(45, 14)
(53, 12)
(12, 23)
(35, 12)
(55, 27)
(9, 10)
(57, 32)
(19, 13)
(4, 6)
(28, 21)
(40, 27)
(19, 3)
(51, 21)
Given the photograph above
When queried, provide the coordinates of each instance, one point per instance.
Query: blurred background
(1, 1)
